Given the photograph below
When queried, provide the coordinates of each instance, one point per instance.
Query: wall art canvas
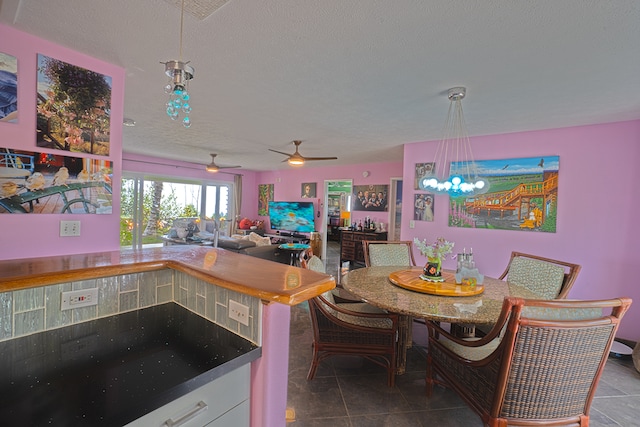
(422, 170)
(522, 195)
(265, 195)
(423, 207)
(73, 108)
(43, 183)
(370, 198)
(308, 190)
(8, 88)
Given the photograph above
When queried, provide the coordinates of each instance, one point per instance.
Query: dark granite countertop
(111, 371)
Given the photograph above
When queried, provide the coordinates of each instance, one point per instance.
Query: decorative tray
(410, 279)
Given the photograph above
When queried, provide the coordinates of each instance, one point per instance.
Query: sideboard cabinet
(351, 244)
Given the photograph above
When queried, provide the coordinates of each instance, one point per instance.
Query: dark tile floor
(350, 392)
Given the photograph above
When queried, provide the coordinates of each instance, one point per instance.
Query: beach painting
(522, 195)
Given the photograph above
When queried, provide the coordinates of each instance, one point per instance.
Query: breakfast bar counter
(224, 310)
(252, 276)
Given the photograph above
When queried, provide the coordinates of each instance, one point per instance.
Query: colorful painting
(423, 207)
(522, 195)
(370, 198)
(73, 108)
(308, 190)
(42, 183)
(265, 195)
(422, 170)
(8, 88)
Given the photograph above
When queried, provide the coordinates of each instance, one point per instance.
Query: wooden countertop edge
(305, 294)
(53, 278)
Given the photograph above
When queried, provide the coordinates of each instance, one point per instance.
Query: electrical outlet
(69, 228)
(79, 298)
(412, 224)
(239, 312)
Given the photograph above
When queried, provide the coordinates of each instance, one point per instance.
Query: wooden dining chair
(544, 370)
(379, 253)
(548, 278)
(356, 329)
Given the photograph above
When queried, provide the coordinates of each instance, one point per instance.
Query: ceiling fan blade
(321, 158)
(228, 167)
(280, 152)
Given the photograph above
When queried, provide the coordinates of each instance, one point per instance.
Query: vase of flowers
(435, 253)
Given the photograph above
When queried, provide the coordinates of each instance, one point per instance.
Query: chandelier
(179, 73)
(454, 148)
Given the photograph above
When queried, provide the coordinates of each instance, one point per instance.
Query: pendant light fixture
(179, 73)
(454, 151)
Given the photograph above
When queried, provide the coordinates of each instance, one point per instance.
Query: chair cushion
(543, 278)
(388, 254)
(548, 313)
(470, 353)
(316, 264)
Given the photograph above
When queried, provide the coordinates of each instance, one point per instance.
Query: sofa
(245, 245)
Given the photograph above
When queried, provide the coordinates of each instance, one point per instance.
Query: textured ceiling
(354, 79)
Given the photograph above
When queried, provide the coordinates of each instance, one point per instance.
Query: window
(150, 204)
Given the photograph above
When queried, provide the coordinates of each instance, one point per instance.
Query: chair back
(387, 253)
(545, 368)
(548, 278)
(555, 357)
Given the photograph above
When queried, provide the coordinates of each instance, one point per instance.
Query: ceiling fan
(296, 159)
(212, 167)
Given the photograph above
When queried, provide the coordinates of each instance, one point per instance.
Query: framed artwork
(8, 88)
(44, 183)
(423, 207)
(265, 195)
(370, 198)
(522, 195)
(308, 190)
(73, 108)
(422, 170)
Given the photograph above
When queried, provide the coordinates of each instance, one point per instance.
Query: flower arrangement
(437, 250)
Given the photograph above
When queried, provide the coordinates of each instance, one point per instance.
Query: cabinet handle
(197, 410)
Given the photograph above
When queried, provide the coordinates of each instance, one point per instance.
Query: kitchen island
(202, 280)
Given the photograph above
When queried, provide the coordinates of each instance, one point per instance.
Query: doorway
(337, 213)
(395, 209)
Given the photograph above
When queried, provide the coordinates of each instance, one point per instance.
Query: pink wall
(287, 184)
(597, 209)
(26, 235)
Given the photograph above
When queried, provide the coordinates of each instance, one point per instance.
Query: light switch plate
(69, 228)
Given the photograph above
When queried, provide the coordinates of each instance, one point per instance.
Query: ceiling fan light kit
(213, 167)
(297, 159)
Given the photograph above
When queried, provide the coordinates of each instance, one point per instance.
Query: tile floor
(350, 392)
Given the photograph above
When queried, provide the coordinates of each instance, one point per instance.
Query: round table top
(372, 284)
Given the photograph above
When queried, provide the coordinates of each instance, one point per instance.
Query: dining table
(399, 289)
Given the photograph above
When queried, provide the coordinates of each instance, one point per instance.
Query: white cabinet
(222, 402)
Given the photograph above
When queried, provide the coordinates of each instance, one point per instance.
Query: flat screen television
(296, 217)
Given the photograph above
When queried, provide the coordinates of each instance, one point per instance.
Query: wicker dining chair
(549, 278)
(545, 368)
(388, 253)
(356, 329)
